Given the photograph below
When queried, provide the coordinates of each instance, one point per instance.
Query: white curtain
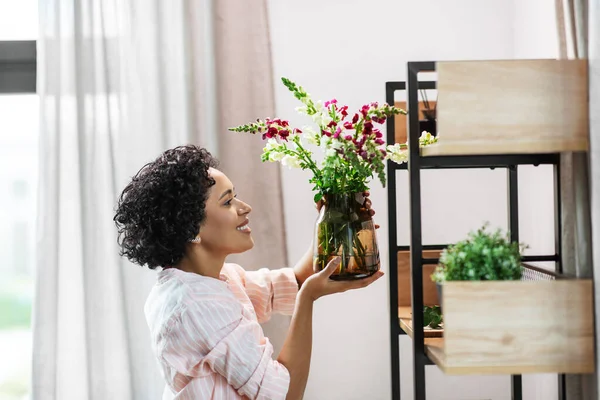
(578, 38)
(119, 83)
(594, 76)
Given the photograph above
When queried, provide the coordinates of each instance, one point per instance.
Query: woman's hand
(319, 284)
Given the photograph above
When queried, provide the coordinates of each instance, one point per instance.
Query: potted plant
(482, 256)
(354, 152)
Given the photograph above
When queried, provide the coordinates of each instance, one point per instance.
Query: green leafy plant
(482, 256)
(432, 317)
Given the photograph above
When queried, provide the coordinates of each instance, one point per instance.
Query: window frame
(18, 65)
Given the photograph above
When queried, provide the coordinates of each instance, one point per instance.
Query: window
(18, 186)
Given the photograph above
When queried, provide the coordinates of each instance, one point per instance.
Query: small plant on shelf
(432, 317)
(482, 256)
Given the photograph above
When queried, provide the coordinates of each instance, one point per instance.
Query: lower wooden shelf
(517, 327)
(434, 346)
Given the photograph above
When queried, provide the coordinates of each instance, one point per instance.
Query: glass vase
(344, 228)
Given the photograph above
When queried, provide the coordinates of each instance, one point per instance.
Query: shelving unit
(472, 118)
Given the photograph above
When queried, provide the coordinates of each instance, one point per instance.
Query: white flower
(399, 158)
(325, 143)
(271, 144)
(426, 139)
(276, 156)
(310, 135)
(302, 109)
(335, 144)
(275, 150)
(321, 117)
(330, 152)
(397, 154)
(290, 161)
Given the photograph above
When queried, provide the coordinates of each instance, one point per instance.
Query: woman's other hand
(319, 284)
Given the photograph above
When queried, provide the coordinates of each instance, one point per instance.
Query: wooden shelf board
(511, 106)
(484, 147)
(435, 350)
(434, 346)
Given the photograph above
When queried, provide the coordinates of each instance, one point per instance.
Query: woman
(181, 214)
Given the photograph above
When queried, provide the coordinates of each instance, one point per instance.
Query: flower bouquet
(354, 152)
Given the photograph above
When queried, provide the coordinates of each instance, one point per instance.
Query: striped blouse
(206, 335)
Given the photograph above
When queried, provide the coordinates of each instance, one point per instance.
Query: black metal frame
(415, 164)
(18, 60)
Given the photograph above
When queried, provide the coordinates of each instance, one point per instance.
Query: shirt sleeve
(270, 290)
(217, 336)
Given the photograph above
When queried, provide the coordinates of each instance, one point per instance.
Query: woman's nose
(244, 208)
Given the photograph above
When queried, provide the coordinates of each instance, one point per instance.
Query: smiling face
(225, 230)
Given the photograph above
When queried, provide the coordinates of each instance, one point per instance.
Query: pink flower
(329, 102)
(348, 137)
(365, 110)
(355, 119)
(271, 133)
(360, 142)
(379, 142)
(297, 131)
(337, 133)
(332, 124)
(344, 111)
(284, 133)
(348, 125)
(364, 155)
(379, 120)
(383, 153)
(377, 133)
(326, 133)
(368, 128)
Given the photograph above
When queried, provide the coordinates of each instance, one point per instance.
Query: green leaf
(318, 196)
(432, 317)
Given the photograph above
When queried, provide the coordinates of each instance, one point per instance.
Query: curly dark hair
(163, 206)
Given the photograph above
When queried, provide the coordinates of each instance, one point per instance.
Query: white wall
(348, 50)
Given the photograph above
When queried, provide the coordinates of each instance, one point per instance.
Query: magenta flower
(348, 137)
(365, 110)
(355, 118)
(348, 125)
(329, 102)
(337, 133)
(284, 133)
(344, 111)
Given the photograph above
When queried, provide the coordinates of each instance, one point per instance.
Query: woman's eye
(228, 202)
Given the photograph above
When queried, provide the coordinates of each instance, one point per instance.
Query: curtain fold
(231, 61)
(577, 245)
(594, 79)
(117, 86)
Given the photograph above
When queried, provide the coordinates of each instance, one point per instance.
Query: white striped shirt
(206, 334)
